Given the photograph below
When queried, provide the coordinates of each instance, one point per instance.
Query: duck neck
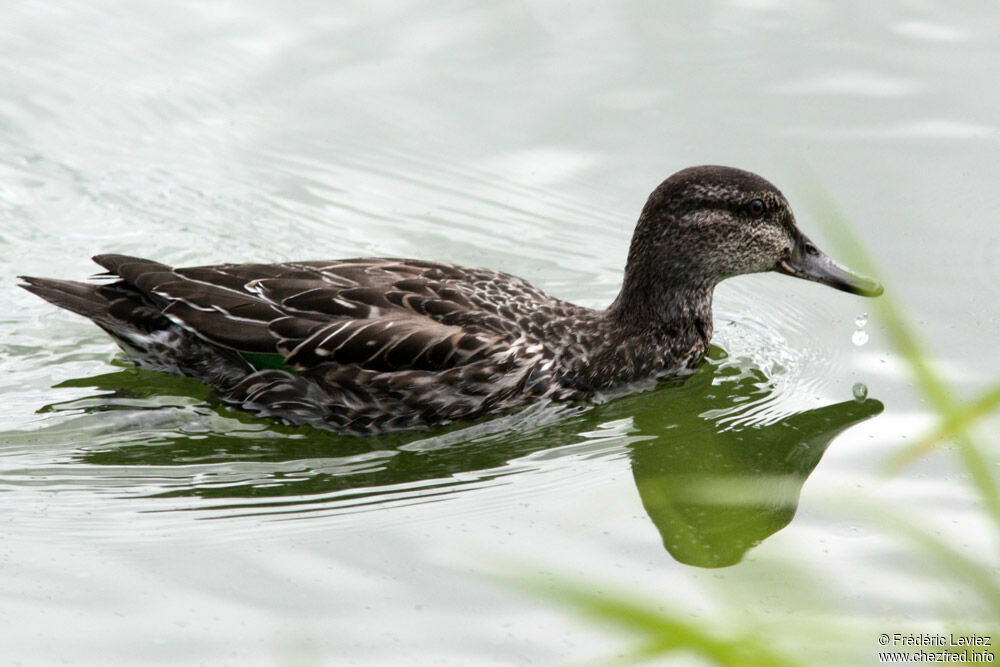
(666, 297)
(654, 326)
(654, 309)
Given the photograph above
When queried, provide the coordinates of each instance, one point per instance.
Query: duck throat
(655, 327)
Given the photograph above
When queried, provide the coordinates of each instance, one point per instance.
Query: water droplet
(861, 320)
(860, 337)
(860, 391)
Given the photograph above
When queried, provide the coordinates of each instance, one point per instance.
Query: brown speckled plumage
(374, 345)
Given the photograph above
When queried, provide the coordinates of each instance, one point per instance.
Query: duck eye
(756, 208)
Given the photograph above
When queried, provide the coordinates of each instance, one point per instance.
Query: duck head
(705, 224)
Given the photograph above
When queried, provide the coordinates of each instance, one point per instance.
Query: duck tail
(81, 298)
(118, 309)
(143, 332)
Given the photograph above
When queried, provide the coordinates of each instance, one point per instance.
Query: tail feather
(129, 267)
(146, 335)
(81, 298)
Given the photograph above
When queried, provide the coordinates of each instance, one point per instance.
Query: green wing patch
(260, 361)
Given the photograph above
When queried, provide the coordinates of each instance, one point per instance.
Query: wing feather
(213, 326)
(389, 344)
(376, 314)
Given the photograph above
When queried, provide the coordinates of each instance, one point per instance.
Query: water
(143, 522)
(860, 336)
(860, 391)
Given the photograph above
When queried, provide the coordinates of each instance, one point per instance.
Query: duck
(373, 345)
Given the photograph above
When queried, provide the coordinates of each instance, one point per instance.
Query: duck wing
(377, 314)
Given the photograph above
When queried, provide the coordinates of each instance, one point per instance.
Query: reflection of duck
(713, 486)
(715, 489)
(372, 345)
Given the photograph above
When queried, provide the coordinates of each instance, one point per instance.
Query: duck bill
(809, 262)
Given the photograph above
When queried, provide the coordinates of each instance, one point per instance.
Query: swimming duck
(374, 345)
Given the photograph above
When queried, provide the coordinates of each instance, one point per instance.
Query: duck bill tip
(822, 269)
